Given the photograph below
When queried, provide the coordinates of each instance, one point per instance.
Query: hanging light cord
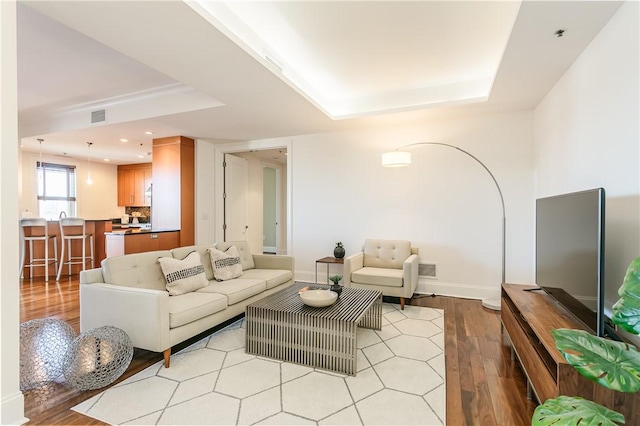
(89, 180)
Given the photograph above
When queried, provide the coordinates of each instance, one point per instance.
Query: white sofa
(390, 266)
(129, 292)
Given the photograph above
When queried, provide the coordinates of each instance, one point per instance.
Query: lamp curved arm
(504, 220)
(470, 155)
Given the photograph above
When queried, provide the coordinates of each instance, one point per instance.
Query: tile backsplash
(145, 213)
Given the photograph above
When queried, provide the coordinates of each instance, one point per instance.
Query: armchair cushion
(378, 276)
(386, 253)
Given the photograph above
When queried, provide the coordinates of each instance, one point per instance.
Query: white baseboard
(427, 286)
(465, 291)
(13, 410)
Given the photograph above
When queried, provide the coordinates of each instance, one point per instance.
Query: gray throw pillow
(183, 276)
(226, 265)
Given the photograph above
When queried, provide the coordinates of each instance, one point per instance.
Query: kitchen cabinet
(133, 181)
(119, 243)
(174, 183)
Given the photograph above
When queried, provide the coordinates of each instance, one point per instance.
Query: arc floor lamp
(398, 158)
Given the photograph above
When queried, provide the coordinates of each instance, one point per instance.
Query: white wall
(11, 399)
(96, 201)
(445, 203)
(587, 136)
(204, 192)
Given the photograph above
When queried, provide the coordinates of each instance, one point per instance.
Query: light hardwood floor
(484, 387)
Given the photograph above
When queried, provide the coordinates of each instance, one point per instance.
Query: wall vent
(99, 116)
(428, 270)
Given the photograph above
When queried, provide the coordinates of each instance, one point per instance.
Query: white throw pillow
(183, 276)
(226, 265)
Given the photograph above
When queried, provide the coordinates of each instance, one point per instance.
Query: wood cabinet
(173, 185)
(133, 181)
(118, 244)
(527, 318)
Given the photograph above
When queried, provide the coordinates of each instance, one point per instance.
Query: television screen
(570, 253)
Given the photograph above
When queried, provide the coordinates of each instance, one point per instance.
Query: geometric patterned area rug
(400, 381)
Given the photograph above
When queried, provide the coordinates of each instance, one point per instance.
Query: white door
(235, 199)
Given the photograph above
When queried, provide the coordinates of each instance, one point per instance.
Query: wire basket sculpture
(96, 358)
(43, 345)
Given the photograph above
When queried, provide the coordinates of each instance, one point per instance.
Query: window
(56, 190)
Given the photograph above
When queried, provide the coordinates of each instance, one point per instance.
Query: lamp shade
(396, 159)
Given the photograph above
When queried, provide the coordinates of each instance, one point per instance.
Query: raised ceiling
(255, 70)
(357, 58)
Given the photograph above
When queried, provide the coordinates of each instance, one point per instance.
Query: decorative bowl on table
(319, 298)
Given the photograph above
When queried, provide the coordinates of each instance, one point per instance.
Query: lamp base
(493, 304)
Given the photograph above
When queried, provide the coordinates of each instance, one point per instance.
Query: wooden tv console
(527, 318)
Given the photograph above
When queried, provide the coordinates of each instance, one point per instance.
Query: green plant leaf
(626, 311)
(614, 365)
(566, 410)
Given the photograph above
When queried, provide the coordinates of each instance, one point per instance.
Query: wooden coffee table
(280, 326)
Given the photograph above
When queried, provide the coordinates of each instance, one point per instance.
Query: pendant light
(89, 180)
(40, 159)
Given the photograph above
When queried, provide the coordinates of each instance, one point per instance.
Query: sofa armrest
(266, 261)
(142, 313)
(351, 264)
(410, 274)
(91, 276)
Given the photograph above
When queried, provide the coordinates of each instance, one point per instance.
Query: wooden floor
(484, 387)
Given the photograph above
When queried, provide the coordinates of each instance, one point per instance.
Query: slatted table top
(350, 306)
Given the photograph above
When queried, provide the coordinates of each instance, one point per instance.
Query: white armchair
(387, 265)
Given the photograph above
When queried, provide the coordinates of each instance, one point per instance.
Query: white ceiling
(200, 69)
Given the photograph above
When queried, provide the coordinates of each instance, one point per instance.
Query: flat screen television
(570, 254)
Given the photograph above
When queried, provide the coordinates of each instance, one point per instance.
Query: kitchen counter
(137, 230)
(127, 241)
(97, 227)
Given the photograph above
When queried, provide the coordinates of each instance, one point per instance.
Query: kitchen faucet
(62, 214)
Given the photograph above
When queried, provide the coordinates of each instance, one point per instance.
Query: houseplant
(336, 283)
(338, 252)
(614, 365)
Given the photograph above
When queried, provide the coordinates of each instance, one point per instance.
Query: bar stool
(39, 232)
(70, 235)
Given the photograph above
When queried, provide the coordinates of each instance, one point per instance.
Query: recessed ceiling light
(148, 133)
(124, 140)
(107, 160)
(140, 156)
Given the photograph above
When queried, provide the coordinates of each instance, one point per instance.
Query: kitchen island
(97, 227)
(140, 240)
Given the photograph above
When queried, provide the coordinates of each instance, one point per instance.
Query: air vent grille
(428, 270)
(99, 116)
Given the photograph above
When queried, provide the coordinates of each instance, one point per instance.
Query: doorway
(266, 224)
(271, 211)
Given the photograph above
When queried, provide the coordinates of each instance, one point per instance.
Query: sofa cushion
(183, 275)
(226, 265)
(378, 276)
(246, 258)
(190, 307)
(203, 251)
(386, 253)
(237, 289)
(273, 277)
(140, 270)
